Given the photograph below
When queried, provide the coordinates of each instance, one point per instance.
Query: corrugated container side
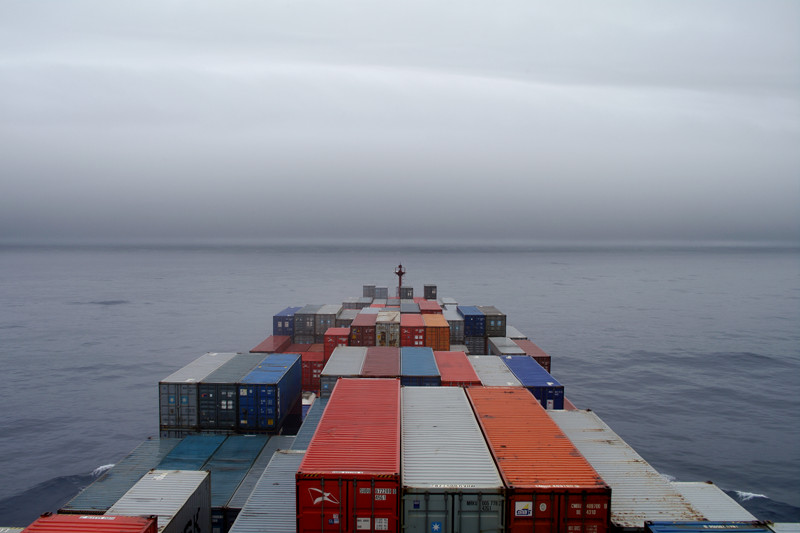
(305, 321)
(313, 363)
(532, 350)
(362, 330)
(474, 321)
(711, 501)
(550, 486)
(177, 398)
(218, 393)
(387, 329)
(192, 452)
(536, 379)
(638, 492)
(325, 318)
(268, 393)
(55, 523)
(412, 330)
(456, 323)
(228, 466)
(495, 321)
(405, 293)
(180, 498)
(349, 479)
(335, 337)
(430, 292)
(493, 372)
(283, 322)
(418, 368)
(108, 488)
(310, 423)
(452, 487)
(369, 291)
(346, 317)
(476, 345)
(437, 332)
(455, 369)
(272, 506)
(273, 343)
(382, 293)
(381, 362)
(345, 361)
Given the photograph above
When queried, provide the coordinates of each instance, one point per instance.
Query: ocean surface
(691, 354)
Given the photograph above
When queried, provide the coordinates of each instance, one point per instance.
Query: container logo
(436, 527)
(318, 496)
(523, 509)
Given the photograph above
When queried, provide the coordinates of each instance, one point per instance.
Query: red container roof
(319, 347)
(411, 320)
(429, 306)
(359, 432)
(530, 348)
(66, 523)
(273, 343)
(381, 362)
(313, 357)
(298, 348)
(530, 449)
(364, 320)
(333, 332)
(454, 367)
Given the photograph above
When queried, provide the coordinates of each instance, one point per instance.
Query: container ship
(386, 414)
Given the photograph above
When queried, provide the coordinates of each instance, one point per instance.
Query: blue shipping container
(228, 467)
(536, 379)
(474, 320)
(192, 453)
(310, 423)
(283, 322)
(698, 527)
(418, 368)
(268, 393)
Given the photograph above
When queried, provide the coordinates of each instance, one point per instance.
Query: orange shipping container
(550, 485)
(437, 332)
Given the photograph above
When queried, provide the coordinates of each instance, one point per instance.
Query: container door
(477, 513)
(322, 505)
(427, 513)
(376, 506)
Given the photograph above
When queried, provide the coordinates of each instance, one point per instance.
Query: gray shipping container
(177, 393)
(351, 303)
(495, 321)
(271, 506)
(345, 361)
(638, 491)
(345, 317)
(406, 293)
(409, 307)
(429, 292)
(245, 488)
(493, 372)
(504, 346)
(115, 482)
(326, 318)
(180, 498)
(382, 292)
(456, 322)
(450, 481)
(710, 500)
(369, 291)
(219, 391)
(514, 333)
(451, 303)
(305, 321)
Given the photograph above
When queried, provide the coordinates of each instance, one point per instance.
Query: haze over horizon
(520, 121)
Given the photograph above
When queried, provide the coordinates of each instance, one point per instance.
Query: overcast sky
(182, 120)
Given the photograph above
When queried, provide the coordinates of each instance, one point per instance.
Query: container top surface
(230, 464)
(411, 320)
(490, 310)
(381, 361)
(531, 451)
(503, 342)
(332, 332)
(444, 452)
(345, 361)
(310, 309)
(234, 370)
(493, 372)
(192, 452)
(63, 523)
(455, 367)
(273, 343)
(200, 368)
(418, 361)
(514, 333)
(329, 309)
(245, 488)
(365, 320)
(530, 347)
(368, 311)
(310, 423)
(409, 307)
(470, 311)
(389, 316)
(529, 372)
(451, 315)
(711, 501)
(435, 321)
(162, 493)
(348, 314)
(638, 491)
(289, 311)
(692, 527)
(359, 433)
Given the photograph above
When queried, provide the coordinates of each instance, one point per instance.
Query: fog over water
(261, 121)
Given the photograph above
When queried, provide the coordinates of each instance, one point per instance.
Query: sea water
(690, 353)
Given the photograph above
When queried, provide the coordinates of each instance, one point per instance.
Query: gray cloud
(308, 119)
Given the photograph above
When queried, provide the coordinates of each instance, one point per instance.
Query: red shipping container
(313, 363)
(335, 337)
(412, 330)
(418, 299)
(379, 306)
(550, 485)
(66, 523)
(349, 479)
(362, 330)
(534, 351)
(456, 370)
(273, 344)
(427, 307)
(437, 332)
(298, 348)
(381, 362)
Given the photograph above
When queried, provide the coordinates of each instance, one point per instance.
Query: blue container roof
(192, 452)
(272, 368)
(529, 372)
(230, 464)
(310, 423)
(470, 310)
(417, 361)
(289, 311)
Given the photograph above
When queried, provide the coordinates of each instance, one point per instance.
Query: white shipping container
(180, 498)
(710, 500)
(638, 491)
(493, 372)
